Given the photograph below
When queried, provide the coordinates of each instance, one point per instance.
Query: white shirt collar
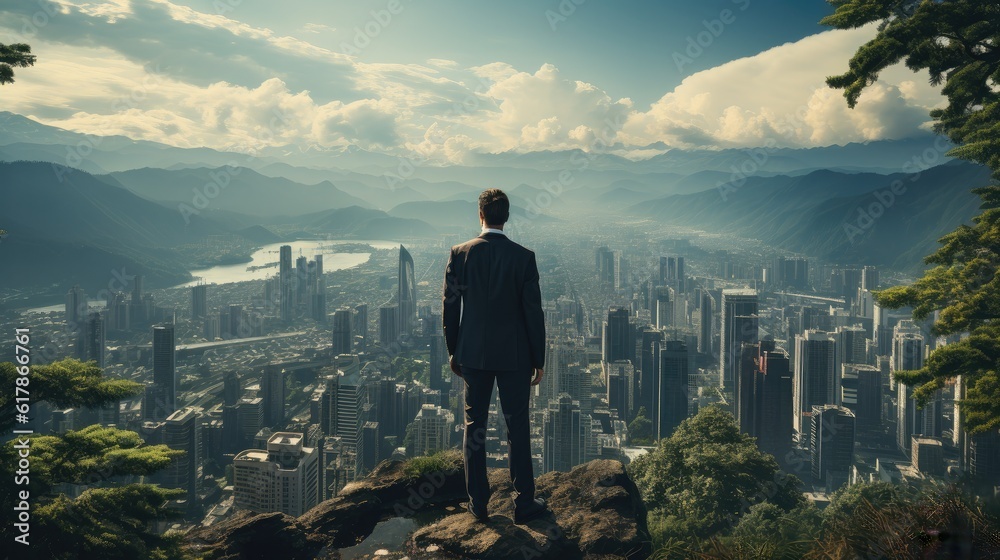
(492, 230)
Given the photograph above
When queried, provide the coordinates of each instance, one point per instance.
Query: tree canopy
(958, 43)
(16, 55)
(705, 476)
(111, 517)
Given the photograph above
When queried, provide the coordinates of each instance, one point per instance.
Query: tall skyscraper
(343, 336)
(286, 282)
(272, 386)
(672, 273)
(160, 400)
(620, 382)
(832, 445)
(199, 301)
(94, 338)
(406, 291)
(619, 336)
(648, 369)
(865, 382)
(563, 435)
(665, 302)
(705, 334)
(301, 279)
(739, 325)
(232, 388)
(76, 306)
(182, 432)
(283, 478)
(388, 325)
(816, 375)
(773, 403)
(671, 405)
(852, 347)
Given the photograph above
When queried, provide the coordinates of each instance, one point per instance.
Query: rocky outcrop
(596, 513)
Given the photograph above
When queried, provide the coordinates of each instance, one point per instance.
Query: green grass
(438, 461)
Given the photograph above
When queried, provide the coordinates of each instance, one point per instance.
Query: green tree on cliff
(958, 43)
(110, 521)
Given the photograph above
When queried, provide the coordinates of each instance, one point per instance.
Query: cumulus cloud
(160, 71)
(781, 95)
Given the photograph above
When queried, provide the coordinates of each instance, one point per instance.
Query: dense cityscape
(284, 390)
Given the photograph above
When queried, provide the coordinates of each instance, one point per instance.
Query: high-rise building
(361, 326)
(286, 283)
(432, 430)
(648, 369)
(620, 381)
(869, 278)
(272, 386)
(832, 445)
(388, 325)
(739, 325)
(618, 336)
(283, 478)
(671, 405)
(672, 273)
(791, 272)
(250, 413)
(664, 311)
(861, 392)
(181, 431)
(301, 279)
(705, 335)
(232, 388)
(852, 347)
(76, 306)
(343, 337)
(160, 399)
(406, 294)
(94, 338)
(564, 435)
(199, 301)
(369, 442)
(816, 375)
(772, 402)
(238, 325)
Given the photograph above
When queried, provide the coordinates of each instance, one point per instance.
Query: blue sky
(446, 78)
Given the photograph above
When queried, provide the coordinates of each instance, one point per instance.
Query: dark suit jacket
(493, 317)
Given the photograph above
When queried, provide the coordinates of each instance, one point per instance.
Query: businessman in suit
(495, 331)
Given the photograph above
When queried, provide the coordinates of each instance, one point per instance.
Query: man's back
(493, 315)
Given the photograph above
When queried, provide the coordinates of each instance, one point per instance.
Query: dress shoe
(480, 516)
(531, 511)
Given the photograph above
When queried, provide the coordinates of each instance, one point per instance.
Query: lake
(333, 259)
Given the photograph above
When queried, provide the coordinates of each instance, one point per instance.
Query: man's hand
(538, 376)
(455, 367)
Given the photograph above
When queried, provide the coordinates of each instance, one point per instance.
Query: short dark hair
(495, 207)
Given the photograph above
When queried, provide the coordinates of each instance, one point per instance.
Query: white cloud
(781, 94)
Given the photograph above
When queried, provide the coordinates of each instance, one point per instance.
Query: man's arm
(531, 300)
(452, 304)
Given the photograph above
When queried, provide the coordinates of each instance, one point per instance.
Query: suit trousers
(515, 389)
